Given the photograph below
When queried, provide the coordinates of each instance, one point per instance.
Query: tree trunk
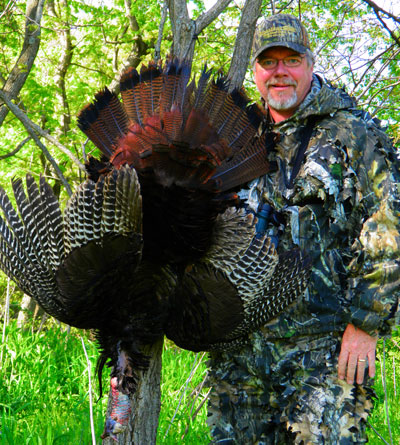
(244, 41)
(139, 47)
(28, 304)
(185, 30)
(145, 405)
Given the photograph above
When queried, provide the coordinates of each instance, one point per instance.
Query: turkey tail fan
(175, 86)
(200, 137)
(31, 245)
(227, 111)
(201, 123)
(214, 98)
(156, 92)
(218, 126)
(202, 87)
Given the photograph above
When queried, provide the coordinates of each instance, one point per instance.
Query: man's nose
(281, 68)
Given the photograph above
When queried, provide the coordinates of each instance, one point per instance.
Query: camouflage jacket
(343, 210)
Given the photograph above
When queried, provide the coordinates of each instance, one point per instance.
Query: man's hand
(357, 347)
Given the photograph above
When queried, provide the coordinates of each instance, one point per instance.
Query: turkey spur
(154, 242)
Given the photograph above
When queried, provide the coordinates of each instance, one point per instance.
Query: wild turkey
(155, 241)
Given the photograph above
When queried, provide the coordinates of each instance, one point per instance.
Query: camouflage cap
(280, 30)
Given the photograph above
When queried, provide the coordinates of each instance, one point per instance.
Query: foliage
(83, 47)
(354, 51)
(183, 408)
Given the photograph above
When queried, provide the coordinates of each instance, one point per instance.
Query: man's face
(283, 87)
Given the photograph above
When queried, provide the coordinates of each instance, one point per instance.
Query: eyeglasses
(268, 63)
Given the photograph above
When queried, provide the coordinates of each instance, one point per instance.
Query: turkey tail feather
(54, 223)
(202, 87)
(104, 121)
(249, 163)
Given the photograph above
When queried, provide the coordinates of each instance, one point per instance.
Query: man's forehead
(278, 51)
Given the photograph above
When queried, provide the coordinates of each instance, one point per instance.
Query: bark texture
(244, 41)
(185, 30)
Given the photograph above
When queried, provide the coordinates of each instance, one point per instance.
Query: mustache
(273, 82)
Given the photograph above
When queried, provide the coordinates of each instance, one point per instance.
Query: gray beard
(282, 104)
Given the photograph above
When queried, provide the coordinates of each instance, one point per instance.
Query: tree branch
(373, 80)
(379, 57)
(335, 36)
(31, 126)
(139, 47)
(157, 49)
(51, 160)
(22, 117)
(369, 102)
(244, 40)
(209, 16)
(7, 8)
(30, 47)
(377, 9)
(16, 150)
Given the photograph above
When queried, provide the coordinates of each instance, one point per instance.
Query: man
(302, 379)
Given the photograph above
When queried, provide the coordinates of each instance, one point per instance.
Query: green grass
(388, 370)
(182, 397)
(44, 392)
(43, 389)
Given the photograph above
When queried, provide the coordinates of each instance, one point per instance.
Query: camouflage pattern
(280, 30)
(286, 392)
(344, 211)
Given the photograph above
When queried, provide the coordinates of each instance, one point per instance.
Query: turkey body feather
(155, 243)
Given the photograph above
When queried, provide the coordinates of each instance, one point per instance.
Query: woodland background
(56, 54)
